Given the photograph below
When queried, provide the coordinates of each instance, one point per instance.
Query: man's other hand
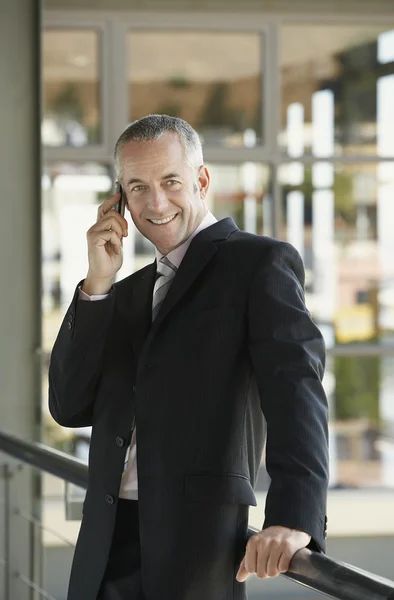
(269, 552)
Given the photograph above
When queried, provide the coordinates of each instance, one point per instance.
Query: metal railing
(311, 569)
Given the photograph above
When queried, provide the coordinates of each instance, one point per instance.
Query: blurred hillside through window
(348, 62)
(71, 97)
(212, 80)
(337, 89)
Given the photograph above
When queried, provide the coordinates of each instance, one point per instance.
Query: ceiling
(331, 7)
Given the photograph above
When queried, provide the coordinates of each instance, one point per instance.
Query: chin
(165, 242)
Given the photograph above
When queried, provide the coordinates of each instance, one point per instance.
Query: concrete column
(20, 276)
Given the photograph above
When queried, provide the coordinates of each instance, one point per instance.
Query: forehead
(152, 158)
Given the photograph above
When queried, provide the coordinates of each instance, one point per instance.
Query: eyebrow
(131, 181)
(169, 176)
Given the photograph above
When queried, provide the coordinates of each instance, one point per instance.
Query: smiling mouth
(162, 221)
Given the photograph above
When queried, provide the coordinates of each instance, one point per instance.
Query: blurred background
(294, 103)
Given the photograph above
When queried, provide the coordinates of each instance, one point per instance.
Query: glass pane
(362, 421)
(340, 218)
(71, 88)
(70, 195)
(359, 391)
(241, 192)
(212, 80)
(337, 89)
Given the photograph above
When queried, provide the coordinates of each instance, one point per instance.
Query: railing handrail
(45, 458)
(311, 569)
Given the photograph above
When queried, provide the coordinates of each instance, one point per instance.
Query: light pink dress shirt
(129, 483)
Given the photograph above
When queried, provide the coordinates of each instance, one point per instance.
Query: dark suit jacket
(233, 343)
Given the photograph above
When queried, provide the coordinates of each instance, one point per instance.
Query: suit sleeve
(288, 355)
(77, 358)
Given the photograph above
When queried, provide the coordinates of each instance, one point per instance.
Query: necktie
(166, 272)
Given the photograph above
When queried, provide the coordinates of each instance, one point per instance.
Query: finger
(242, 574)
(261, 561)
(251, 558)
(272, 564)
(108, 204)
(117, 218)
(101, 238)
(284, 562)
(109, 223)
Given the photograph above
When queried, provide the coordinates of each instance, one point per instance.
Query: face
(165, 194)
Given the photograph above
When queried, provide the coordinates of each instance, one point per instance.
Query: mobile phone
(120, 207)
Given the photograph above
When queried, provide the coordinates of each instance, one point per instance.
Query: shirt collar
(176, 255)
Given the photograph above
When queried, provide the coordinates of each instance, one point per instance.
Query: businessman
(184, 369)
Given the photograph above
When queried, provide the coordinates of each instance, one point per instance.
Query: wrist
(97, 287)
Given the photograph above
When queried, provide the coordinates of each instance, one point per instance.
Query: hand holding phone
(105, 247)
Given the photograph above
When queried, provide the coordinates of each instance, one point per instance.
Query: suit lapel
(135, 302)
(191, 266)
(200, 252)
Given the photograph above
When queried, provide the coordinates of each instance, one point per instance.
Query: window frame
(114, 114)
(94, 152)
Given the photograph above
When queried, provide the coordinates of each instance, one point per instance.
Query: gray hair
(154, 126)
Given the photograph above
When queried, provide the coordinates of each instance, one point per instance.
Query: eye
(138, 188)
(172, 182)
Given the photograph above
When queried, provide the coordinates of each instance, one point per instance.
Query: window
(362, 421)
(340, 219)
(332, 196)
(71, 193)
(242, 192)
(71, 88)
(337, 90)
(212, 80)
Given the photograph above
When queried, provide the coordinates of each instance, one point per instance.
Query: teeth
(160, 222)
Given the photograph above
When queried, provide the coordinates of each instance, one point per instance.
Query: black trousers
(122, 578)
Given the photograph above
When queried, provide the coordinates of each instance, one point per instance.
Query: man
(177, 368)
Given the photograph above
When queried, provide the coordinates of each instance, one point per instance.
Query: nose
(158, 201)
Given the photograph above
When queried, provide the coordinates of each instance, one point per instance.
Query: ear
(204, 180)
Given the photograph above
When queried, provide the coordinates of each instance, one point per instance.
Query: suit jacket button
(120, 442)
(109, 499)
